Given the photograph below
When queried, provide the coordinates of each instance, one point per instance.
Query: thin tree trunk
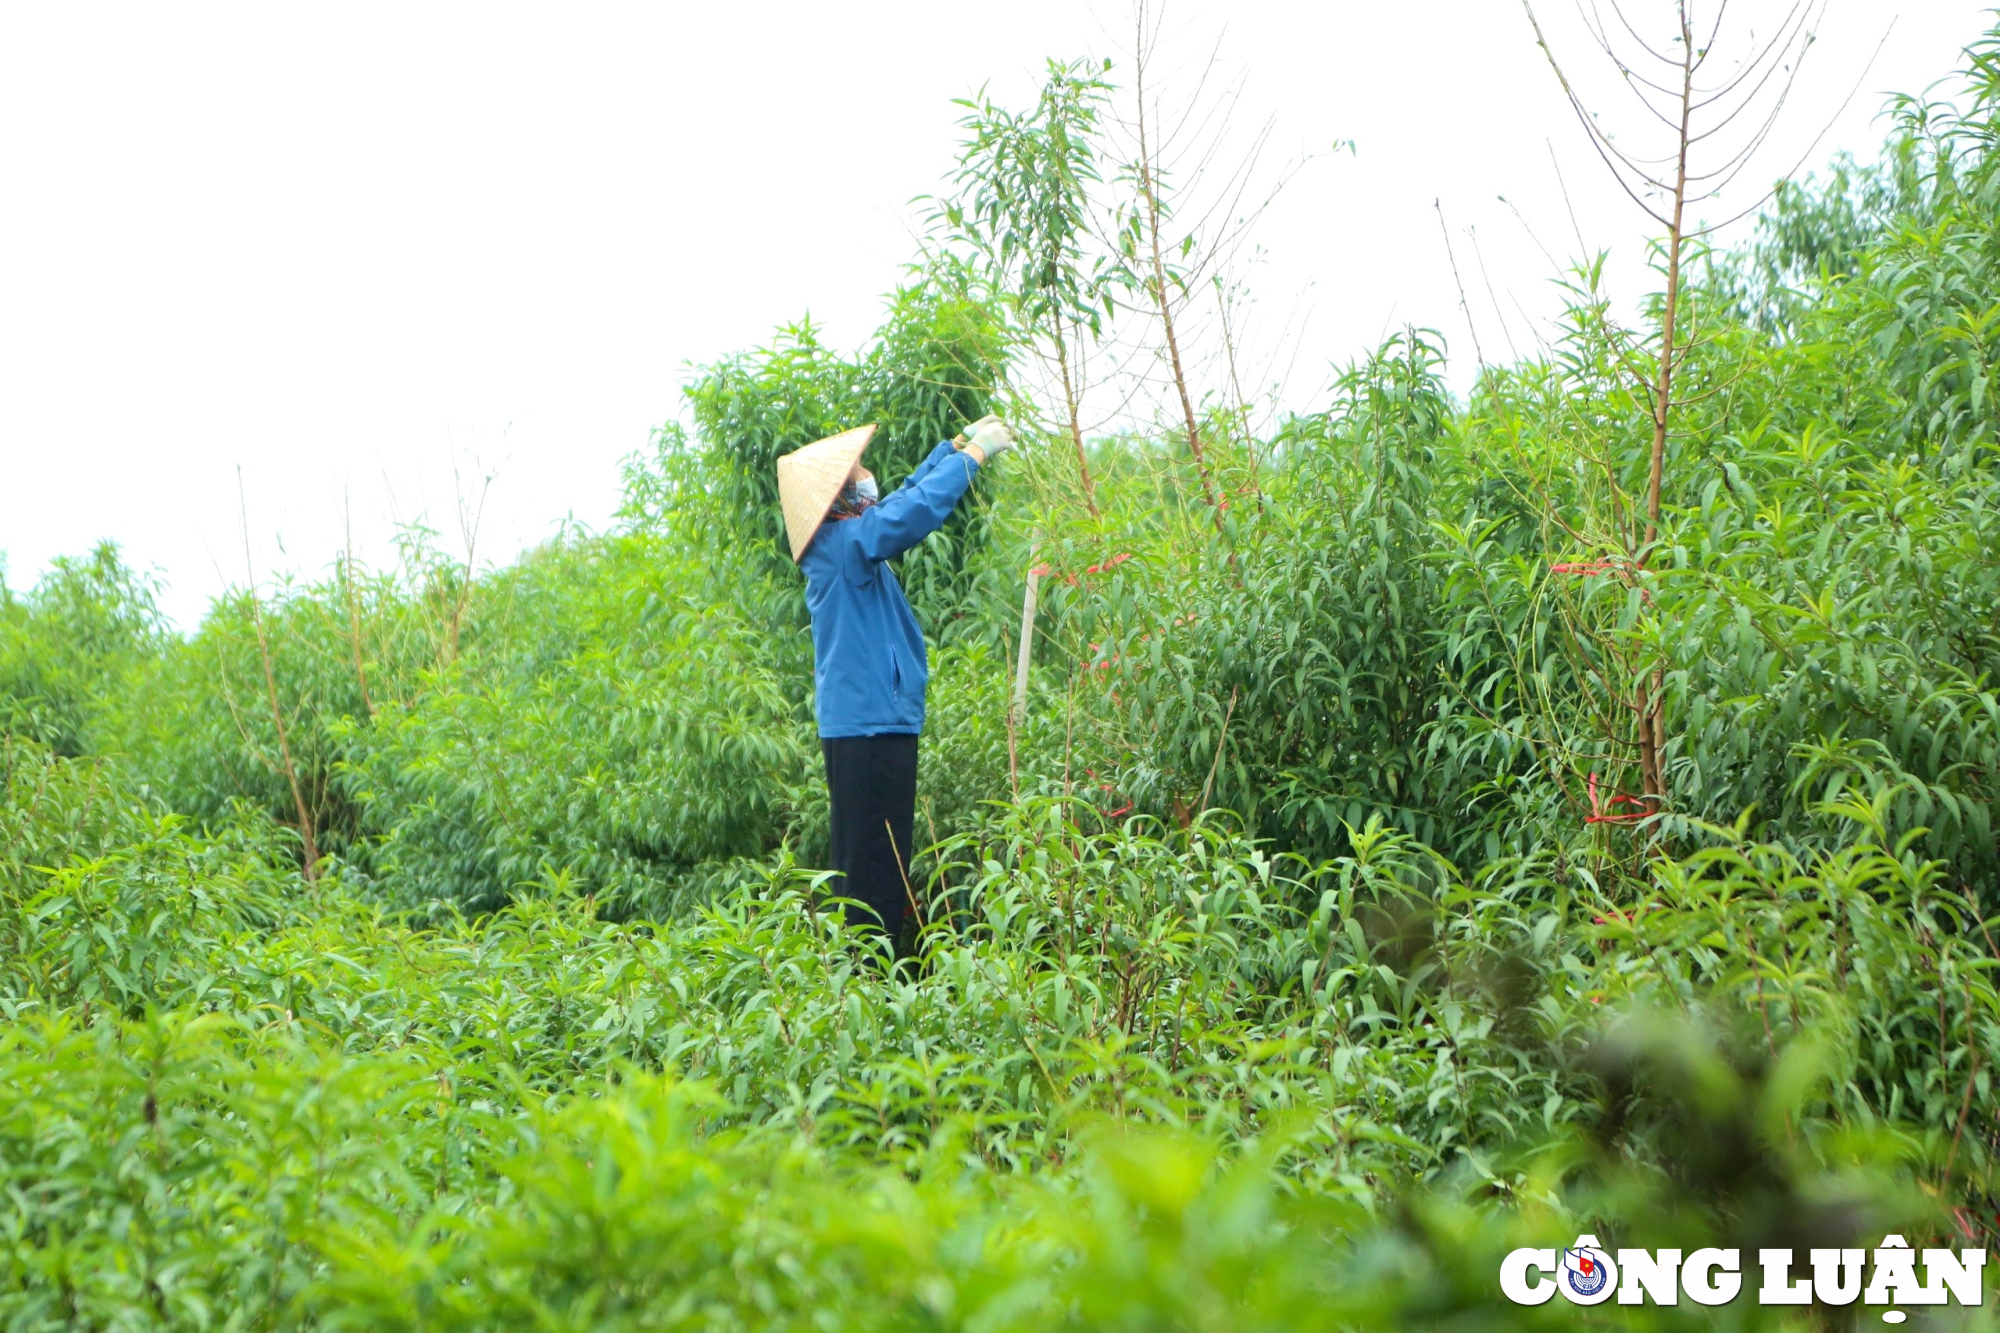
(1664, 388)
(1242, 402)
(1075, 422)
(1159, 285)
(469, 529)
(284, 741)
(354, 630)
(1652, 725)
(271, 696)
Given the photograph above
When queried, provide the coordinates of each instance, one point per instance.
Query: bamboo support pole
(1027, 641)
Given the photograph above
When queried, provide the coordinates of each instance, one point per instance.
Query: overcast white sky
(340, 247)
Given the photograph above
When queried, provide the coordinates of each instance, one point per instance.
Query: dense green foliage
(1299, 951)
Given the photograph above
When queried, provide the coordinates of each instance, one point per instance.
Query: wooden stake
(1017, 707)
(1027, 639)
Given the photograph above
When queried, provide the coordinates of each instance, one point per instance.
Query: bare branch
(1764, 198)
(1505, 332)
(1597, 139)
(1671, 61)
(1477, 351)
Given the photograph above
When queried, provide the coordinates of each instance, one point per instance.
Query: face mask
(865, 488)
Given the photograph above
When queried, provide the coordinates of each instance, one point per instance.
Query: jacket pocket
(895, 676)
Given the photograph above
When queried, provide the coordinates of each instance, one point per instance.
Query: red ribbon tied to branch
(1609, 812)
(1592, 568)
(1111, 791)
(1103, 567)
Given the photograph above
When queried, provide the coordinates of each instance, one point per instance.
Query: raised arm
(945, 450)
(917, 508)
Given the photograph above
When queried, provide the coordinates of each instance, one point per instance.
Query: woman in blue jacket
(869, 665)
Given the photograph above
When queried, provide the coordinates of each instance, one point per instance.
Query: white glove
(991, 436)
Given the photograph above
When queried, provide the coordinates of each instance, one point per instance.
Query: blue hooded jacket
(869, 667)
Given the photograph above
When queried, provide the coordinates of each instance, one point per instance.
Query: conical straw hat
(809, 480)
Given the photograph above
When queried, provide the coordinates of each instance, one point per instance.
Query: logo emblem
(1588, 1275)
(1583, 1274)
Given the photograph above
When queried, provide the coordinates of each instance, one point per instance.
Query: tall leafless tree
(1197, 191)
(1707, 120)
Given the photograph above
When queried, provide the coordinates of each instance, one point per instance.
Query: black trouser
(872, 781)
